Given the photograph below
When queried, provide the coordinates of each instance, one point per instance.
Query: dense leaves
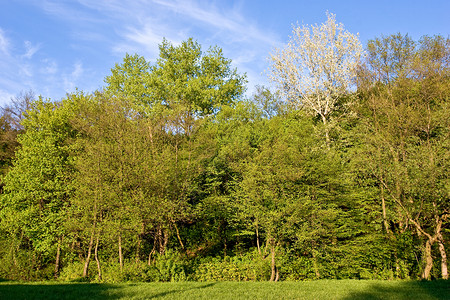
(170, 174)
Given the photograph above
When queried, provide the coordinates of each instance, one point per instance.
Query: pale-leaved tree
(317, 67)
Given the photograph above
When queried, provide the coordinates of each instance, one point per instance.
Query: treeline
(169, 173)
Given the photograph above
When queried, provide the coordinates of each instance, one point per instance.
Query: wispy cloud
(49, 67)
(141, 25)
(68, 12)
(71, 79)
(4, 43)
(30, 49)
(78, 70)
(230, 21)
(241, 38)
(5, 96)
(106, 29)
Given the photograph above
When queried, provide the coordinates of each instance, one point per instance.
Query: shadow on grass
(175, 291)
(14, 290)
(50, 291)
(438, 289)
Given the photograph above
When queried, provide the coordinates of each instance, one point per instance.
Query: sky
(52, 47)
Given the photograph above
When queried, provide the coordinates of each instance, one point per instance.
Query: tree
(38, 188)
(201, 82)
(182, 89)
(10, 127)
(317, 67)
(406, 141)
(131, 79)
(388, 58)
(269, 103)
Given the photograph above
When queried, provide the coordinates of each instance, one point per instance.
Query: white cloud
(50, 67)
(78, 70)
(4, 43)
(230, 21)
(242, 40)
(30, 49)
(68, 12)
(141, 25)
(5, 97)
(71, 80)
(26, 70)
(138, 26)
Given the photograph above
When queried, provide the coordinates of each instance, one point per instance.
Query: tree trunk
(428, 260)
(397, 264)
(178, 234)
(159, 237)
(257, 238)
(58, 255)
(97, 260)
(383, 208)
(225, 247)
(166, 240)
(155, 240)
(120, 253)
(88, 257)
(151, 253)
(273, 266)
(444, 269)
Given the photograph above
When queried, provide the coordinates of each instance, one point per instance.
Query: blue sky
(54, 46)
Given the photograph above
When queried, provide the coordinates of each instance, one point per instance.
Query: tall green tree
(407, 134)
(39, 186)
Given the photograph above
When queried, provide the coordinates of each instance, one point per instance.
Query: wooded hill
(169, 173)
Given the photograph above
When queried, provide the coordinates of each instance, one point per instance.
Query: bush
(247, 267)
(168, 267)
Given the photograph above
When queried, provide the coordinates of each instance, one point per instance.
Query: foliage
(317, 68)
(169, 174)
(248, 267)
(407, 133)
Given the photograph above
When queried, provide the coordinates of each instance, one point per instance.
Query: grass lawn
(321, 289)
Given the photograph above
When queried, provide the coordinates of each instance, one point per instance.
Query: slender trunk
(273, 266)
(88, 257)
(428, 260)
(138, 248)
(444, 268)
(97, 260)
(13, 253)
(120, 253)
(178, 234)
(58, 255)
(397, 264)
(149, 262)
(257, 238)
(166, 240)
(159, 237)
(383, 207)
(225, 247)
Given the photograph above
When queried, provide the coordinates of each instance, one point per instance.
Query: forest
(170, 172)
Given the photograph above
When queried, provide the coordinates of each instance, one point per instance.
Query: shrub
(248, 267)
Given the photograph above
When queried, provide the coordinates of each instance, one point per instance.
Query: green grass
(321, 289)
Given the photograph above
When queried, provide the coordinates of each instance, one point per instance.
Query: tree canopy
(171, 172)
